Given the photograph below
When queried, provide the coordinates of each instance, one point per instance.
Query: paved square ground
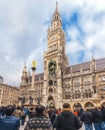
(22, 128)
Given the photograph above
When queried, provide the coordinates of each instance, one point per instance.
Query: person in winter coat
(39, 121)
(87, 118)
(1, 111)
(17, 112)
(9, 122)
(67, 120)
(103, 116)
(97, 118)
(53, 115)
(31, 113)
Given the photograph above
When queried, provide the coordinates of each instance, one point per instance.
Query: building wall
(78, 88)
(81, 85)
(25, 90)
(8, 95)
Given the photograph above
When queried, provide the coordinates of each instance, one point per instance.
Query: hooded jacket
(97, 116)
(67, 121)
(87, 117)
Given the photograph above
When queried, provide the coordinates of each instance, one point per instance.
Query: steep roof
(100, 64)
(1, 77)
(39, 76)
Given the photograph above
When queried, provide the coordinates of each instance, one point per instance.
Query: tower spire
(56, 20)
(24, 68)
(56, 6)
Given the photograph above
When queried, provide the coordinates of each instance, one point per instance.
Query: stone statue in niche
(94, 89)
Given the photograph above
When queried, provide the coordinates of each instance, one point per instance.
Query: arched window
(103, 104)
(77, 106)
(89, 105)
(50, 90)
(50, 83)
(50, 98)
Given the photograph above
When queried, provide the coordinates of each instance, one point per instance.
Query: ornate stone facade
(81, 85)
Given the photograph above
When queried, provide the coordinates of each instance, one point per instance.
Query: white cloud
(23, 33)
(73, 32)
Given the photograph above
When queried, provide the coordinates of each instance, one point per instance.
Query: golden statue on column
(33, 64)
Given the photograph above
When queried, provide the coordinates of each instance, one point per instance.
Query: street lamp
(22, 100)
(38, 99)
(30, 100)
(77, 105)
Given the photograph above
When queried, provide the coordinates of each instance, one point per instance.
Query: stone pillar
(33, 79)
(32, 89)
(33, 75)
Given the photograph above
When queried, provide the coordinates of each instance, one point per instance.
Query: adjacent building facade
(8, 94)
(81, 85)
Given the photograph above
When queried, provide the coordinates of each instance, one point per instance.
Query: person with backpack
(67, 120)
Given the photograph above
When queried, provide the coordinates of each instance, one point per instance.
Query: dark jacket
(97, 116)
(67, 121)
(87, 117)
(41, 122)
(31, 114)
(9, 123)
(2, 112)
(103, 114)
(80, 112)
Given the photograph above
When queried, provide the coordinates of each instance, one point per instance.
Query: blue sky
(23, 33)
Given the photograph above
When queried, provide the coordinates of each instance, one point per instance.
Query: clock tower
(55, 62)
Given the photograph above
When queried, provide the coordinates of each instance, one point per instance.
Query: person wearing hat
(39, 121)
(67, 120)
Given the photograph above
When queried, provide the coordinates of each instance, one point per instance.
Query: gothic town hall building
(81, 85)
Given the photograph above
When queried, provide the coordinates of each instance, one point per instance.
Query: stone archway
(50, 101)
(103, 104)
(50, 83)
(77, 106)
(68, 103)
(50, 97)
(51, 105)
(89, 105)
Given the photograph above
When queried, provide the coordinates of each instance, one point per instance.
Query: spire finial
(24, 67)
(56, 6)
(92, 57)
(25, 63)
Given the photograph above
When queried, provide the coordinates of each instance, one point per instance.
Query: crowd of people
(42, 118)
